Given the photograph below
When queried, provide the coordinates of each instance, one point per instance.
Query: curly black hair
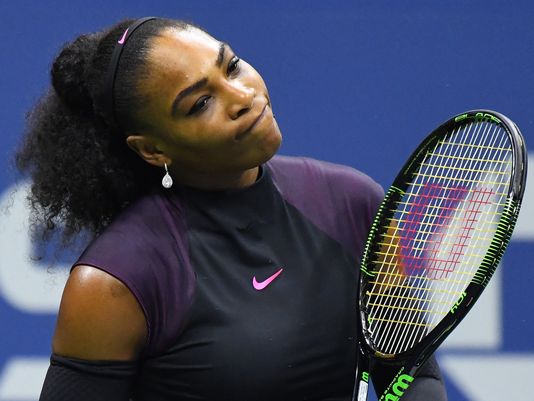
(83, 173)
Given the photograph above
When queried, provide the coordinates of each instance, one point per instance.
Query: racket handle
(361, 380)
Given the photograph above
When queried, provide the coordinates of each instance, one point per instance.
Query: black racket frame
(410, 360)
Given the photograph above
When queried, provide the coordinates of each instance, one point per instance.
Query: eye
(200, 105)
(233, 66)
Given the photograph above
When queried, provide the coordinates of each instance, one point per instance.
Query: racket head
(439, 234)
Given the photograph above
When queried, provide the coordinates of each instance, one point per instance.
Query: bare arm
(99, 318)
(100, 333)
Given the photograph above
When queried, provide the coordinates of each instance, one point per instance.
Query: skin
(210, 148)
(205, 149)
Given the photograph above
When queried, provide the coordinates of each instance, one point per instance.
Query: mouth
(254, 123)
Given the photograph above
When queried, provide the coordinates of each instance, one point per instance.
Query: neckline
(232, 207)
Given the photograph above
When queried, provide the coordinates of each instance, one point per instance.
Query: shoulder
(340, 200)
(126, 247)
(145, 248)
(308, 175)
(142, 230)
(99, 318)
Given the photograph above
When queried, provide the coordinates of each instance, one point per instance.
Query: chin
(271, 141)
(260, 155)
(269, 149)
(262, 149)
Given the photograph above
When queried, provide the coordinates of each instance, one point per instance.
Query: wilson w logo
(398, 388)
(438, 217)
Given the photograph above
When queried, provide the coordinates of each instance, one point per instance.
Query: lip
(251, 126)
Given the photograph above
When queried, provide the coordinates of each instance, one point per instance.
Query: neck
(210, 181)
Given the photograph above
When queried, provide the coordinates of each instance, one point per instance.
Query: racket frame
(410, 360)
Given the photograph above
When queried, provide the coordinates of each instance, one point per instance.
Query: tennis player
(216, 270)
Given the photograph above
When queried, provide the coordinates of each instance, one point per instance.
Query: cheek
(254, 76)
(201, 135)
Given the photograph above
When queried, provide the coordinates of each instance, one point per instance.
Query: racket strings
(477, 200)
(415, 295)
(452, 197)
(424, 197)
(435, 242)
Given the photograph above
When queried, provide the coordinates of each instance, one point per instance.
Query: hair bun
(69, 72)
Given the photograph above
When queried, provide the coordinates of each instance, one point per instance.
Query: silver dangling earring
(167, 179)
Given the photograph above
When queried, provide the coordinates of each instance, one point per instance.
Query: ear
(147, 148)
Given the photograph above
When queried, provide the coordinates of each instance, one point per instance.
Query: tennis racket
(435, 242)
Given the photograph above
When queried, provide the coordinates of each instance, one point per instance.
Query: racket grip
(361, 380)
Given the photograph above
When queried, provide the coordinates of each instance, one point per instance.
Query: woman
(217, 271)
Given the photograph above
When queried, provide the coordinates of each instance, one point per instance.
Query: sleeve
(76, 379)
(428, 383)
(145, 248)
(345, 200)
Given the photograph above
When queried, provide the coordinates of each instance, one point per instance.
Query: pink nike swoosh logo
(261, 285)
(121, 41)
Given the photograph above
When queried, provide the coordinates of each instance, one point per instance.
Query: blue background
(353, 82)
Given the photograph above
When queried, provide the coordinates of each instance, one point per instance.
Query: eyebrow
(220, 56)
(199, 84)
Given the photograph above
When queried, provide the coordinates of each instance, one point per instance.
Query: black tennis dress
(249, 294)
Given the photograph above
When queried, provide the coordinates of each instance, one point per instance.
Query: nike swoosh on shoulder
(260, 285)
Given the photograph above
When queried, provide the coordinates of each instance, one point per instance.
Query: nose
(240, 99)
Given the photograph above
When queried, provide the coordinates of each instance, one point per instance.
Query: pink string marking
(471, 217)
(424, 238)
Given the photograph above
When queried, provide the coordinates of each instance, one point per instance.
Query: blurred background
(352, 82)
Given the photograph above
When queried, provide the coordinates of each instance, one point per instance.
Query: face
(209, 110)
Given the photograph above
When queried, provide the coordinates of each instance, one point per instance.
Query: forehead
(182, 54)
(177, 59)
